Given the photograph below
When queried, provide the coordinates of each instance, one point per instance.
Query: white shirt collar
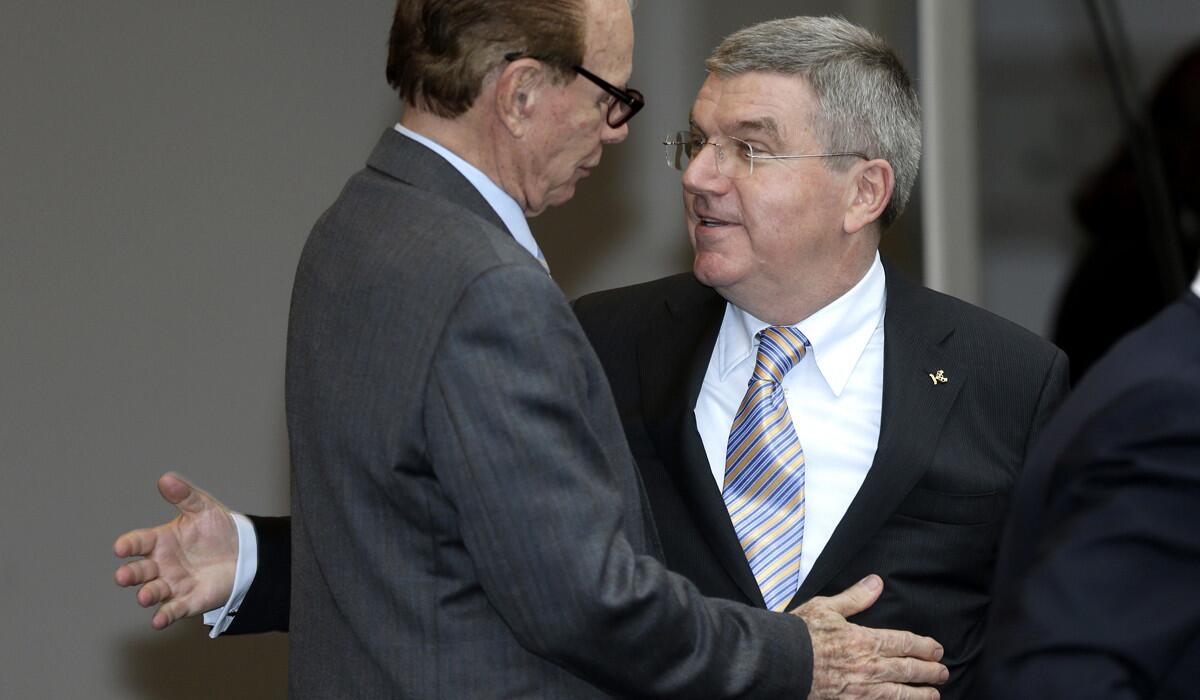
(1196, 285)
(504, 205)
(838, 332)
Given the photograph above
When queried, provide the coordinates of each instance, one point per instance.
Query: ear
(870, 191)
(519, 89)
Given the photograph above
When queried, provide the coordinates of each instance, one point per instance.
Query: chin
(710, 270)
(561, 195)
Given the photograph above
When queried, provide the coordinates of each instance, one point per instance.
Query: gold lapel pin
(939, 377)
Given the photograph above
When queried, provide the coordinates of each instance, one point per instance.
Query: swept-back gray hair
(865, 100)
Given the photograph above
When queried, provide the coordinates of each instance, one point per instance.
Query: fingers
(136, 572)
(180, 492)
(891, 691)
(168, 613)
(186, 496)
(909, 671)
(136, 543)
(858, 597)
(154, 592)
(897, 643)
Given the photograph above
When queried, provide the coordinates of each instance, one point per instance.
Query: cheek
(551, 150)
(775, 215)
(774, 222)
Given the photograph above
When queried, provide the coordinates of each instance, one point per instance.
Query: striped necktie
(764, 470)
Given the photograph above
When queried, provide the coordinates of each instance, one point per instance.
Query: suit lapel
(914, 409)
(672, 359)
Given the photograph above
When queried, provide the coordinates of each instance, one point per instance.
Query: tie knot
(779, 349)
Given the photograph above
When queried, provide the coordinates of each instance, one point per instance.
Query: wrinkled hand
(850, 661)
(189, 562)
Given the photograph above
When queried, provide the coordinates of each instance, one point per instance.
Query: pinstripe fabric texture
(764, 470)
(450, 428)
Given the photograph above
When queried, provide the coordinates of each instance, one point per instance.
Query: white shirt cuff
(247, 566)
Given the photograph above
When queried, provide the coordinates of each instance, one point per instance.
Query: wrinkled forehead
(769, 105)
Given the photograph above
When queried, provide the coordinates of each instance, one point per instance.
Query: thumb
(180, 492)
(858, 597)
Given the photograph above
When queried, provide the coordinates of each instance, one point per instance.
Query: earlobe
(872, 190)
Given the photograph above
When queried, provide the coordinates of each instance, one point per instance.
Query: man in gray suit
(468, 521)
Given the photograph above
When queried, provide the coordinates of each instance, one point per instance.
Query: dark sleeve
(1108, 606)
(265, 608)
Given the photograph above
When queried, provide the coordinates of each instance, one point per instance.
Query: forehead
(609, 38)
(768, 102)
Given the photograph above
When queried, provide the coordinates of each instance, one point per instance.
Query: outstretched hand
(851, 661)
(189, 563)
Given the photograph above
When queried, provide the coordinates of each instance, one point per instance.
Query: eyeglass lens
(620, 111)
(734, 158)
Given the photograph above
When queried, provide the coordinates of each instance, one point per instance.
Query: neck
(469, 137)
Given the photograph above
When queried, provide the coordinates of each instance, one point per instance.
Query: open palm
(188, 564)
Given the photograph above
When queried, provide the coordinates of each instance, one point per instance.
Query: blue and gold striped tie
(764, 470)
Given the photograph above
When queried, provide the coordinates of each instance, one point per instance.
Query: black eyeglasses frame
(631, 100)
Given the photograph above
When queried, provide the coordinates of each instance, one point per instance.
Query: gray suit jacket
(468, 520)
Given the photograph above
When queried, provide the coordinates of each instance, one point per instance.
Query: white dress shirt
(514, 219)
(834, 395)
(1196, 285)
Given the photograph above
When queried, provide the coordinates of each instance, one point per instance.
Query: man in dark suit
(914, 410)
(1096, 593)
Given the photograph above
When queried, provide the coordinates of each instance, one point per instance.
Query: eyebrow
(764, 125)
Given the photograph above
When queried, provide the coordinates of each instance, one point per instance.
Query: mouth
(712, 222)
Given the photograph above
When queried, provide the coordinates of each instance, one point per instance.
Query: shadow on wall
(182, 663)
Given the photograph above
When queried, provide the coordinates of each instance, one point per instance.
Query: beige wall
(160, 166)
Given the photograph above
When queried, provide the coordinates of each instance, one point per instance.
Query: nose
(702, 175)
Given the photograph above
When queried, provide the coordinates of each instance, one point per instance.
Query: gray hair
(865, 100)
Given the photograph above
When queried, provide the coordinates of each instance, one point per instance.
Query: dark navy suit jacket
(1098, 590)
